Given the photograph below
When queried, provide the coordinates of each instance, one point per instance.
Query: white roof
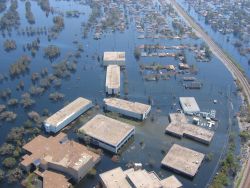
(115, 178)
(113, 76)
(63, 114)
(189, 104)
(114, 56)
(106, 129)
(136, 107)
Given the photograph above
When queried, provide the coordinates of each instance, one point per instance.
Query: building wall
(85, 169)
(55, 129)
(113, 149)
(112, 91)
(125, 140)
(125, 112)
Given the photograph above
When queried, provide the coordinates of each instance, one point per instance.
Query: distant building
(183, 66)
(189, 105)
(131, 109)
(114, 58)
(63, 117)
(107, 133)
(113, 80)
(59, 154)
(183, 160)
(139, 178)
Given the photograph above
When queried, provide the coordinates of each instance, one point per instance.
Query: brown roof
(54, 180)
(183, 160)
(58, 150)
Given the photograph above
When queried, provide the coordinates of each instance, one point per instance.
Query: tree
(6, 149)
(137, 53)
(14, 175)
(9, 162)
(2, 174)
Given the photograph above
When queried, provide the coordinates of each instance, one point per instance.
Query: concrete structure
(59, 154)
(131, 178)
(180, 127)
(53, 179)
(106, 132)
(114, 58)
(183, 160)
(113, 80)
(131, 109)
(63, 117)
(189, 105)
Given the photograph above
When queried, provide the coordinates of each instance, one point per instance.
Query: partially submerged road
(231, 66)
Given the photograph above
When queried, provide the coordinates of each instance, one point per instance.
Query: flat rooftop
(189, 104)
(180, 127)
(53, 179)
(67, 111)
(171, 182)
(113, 76)
(58, 150)
(183, 160)
(136, 178)
(115, 178)
(142, 178)
(114, 56)
(136, 107)
(106, 129)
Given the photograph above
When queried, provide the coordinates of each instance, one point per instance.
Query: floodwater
(217, 36)
(89, 79)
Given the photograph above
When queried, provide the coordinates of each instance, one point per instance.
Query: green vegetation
(209, 157)
(11, 18)
(58, 24)
(14, 175)
(12, 102)
(8, 116)
(6, 149)
(44, 4)
(20, 67)
(56, 96)
(92, 172)
(30, 181)
(52, 52)
(244, 135)
(9, 162)
(26, 101)
(9, 45)
(137, 53)
(1, 175)
(228, 166)
(29, 15)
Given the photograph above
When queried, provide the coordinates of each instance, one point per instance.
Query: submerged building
(63, 117)
(180, 127)
(107, 133)
(59, 154)
(113, 80)
(136, 178)
(131, 109)
(189, 105)
(183, 160)
(114, 58)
